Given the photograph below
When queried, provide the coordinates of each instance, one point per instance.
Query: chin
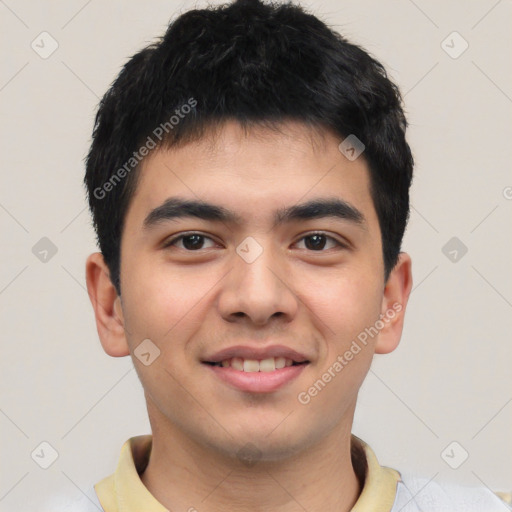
(251, 445)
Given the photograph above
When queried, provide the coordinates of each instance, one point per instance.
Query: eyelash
(173, 241)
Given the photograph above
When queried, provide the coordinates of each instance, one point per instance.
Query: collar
(124, 491)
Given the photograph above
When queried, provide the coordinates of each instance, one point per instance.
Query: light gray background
(449, 380)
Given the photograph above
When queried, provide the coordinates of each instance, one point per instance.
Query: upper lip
(258, 353)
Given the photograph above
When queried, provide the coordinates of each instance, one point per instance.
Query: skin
(193, 303)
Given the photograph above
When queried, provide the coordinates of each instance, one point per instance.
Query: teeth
(251, 365)
(267, 365)
(280, 362)
(254, 365)
(237, 363)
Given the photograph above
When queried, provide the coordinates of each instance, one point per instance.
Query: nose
(258, 291)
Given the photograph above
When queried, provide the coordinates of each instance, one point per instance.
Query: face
(254, 273)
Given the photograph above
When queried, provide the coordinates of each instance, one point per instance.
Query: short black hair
(255, 63)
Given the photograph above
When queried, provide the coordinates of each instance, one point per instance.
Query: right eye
(189, 242)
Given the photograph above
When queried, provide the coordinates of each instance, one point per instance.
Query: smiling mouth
(256, 365)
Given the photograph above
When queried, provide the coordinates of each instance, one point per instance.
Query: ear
(107, 307)
(394, 301)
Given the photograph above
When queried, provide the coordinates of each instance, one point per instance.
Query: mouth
(256, 369)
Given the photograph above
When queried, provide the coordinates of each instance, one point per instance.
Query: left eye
(192, 242)
(318, 242)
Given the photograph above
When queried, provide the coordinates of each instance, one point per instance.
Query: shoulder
(419, 494)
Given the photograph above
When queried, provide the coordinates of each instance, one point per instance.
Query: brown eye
(191, 242)
(318, 242)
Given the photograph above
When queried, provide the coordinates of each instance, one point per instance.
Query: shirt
(384, 489)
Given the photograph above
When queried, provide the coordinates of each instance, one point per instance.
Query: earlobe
(107, 307)
(394, 302)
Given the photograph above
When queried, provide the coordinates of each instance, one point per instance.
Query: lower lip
(257, 382)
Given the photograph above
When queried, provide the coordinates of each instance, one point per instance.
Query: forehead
(253, 171)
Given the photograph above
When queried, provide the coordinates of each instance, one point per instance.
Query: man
(249, 180)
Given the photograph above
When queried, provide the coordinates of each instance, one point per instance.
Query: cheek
(160, 302)
(344, 303)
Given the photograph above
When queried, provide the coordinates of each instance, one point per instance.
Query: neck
(183, 475)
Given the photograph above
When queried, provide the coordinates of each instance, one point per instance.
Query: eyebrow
(176, 208)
